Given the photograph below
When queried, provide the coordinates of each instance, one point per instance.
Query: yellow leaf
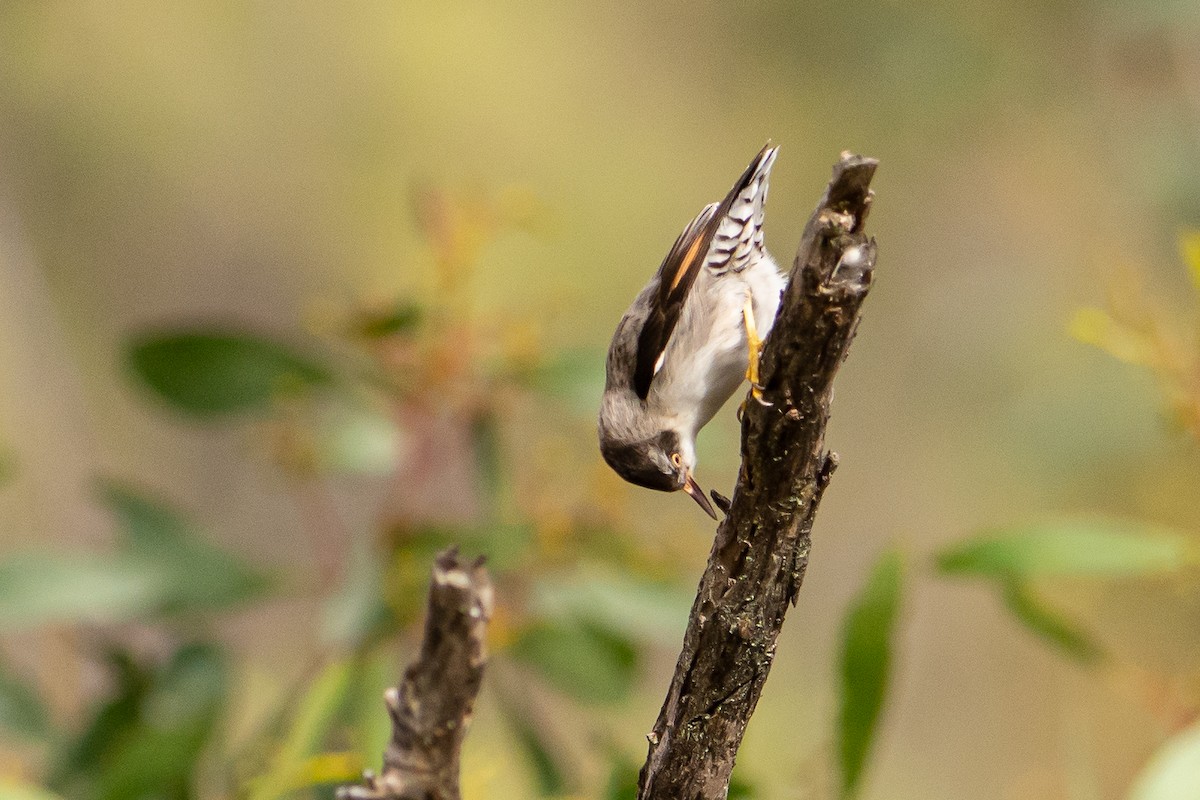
(13, 788)
(314, 716)
(1096, 327)
(1189, 248)
(329, 768)
(319, 770)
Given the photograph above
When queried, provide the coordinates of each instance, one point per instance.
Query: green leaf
(191, 686)
(400, 318)
(506, 546)
(144, 522)
(41, 588)
(622, 780)
(111, 722)
(740, 789)
(575, 377)
(164, 566)
(1030, 610)
(316, 714)
(489, 458)
(195, 574)
(1100, 549)
(153, 764)
(21, 710)
(640, 608)
(550, 779)
(145, 739)
(177, 716)
(212, 373)
(865, 661)
(357, 611)
(318, 711)
(352, 440)
(372, 723)
(581, 659)
(1174, 771)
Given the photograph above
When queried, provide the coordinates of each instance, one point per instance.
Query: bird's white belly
(708, 355)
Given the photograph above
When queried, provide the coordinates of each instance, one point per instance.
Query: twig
(761, 549)
(432, 707)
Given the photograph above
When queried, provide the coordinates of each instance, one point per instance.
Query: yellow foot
(754, 346)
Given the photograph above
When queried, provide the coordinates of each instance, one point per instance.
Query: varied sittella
(690, 338)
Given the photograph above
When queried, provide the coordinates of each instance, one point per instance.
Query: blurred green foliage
(578, 613)
(1146, 332)
(1028, 562)
(21, 710)
(196, 575)
(577, 610)
(866, 659)
(1017, 560)
(586, 661)
(1101, 548)
(210, 373)
(201, 163)
(298, 756)
(147, 738)
(1023, 603)
(161, 568)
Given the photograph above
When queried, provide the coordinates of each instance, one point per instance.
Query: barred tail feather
(739, 236)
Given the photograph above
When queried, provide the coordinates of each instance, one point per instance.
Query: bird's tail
(739, 237)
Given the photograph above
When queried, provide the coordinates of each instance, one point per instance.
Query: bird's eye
(677, 459)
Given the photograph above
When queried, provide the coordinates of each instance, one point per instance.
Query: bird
(689, 339)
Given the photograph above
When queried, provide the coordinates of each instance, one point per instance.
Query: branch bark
(432, 707)
(761, 548)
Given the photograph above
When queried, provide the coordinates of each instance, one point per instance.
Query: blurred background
(292, 295)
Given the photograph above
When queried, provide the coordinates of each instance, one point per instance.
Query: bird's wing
(739, 236)
(675, 278)
(708, 239)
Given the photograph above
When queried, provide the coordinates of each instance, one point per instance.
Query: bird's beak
(692, 488)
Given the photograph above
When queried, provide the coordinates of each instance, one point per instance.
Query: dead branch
(432, 706)
(754, 571)
(761, 548)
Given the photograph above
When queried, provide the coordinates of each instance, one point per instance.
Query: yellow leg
(754, 346)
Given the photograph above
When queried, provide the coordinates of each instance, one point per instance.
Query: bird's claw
(754, 347)
(756, 392)
(720, 501)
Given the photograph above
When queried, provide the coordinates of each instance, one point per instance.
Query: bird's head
(664, 462)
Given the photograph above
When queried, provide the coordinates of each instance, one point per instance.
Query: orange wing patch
(686, 262)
